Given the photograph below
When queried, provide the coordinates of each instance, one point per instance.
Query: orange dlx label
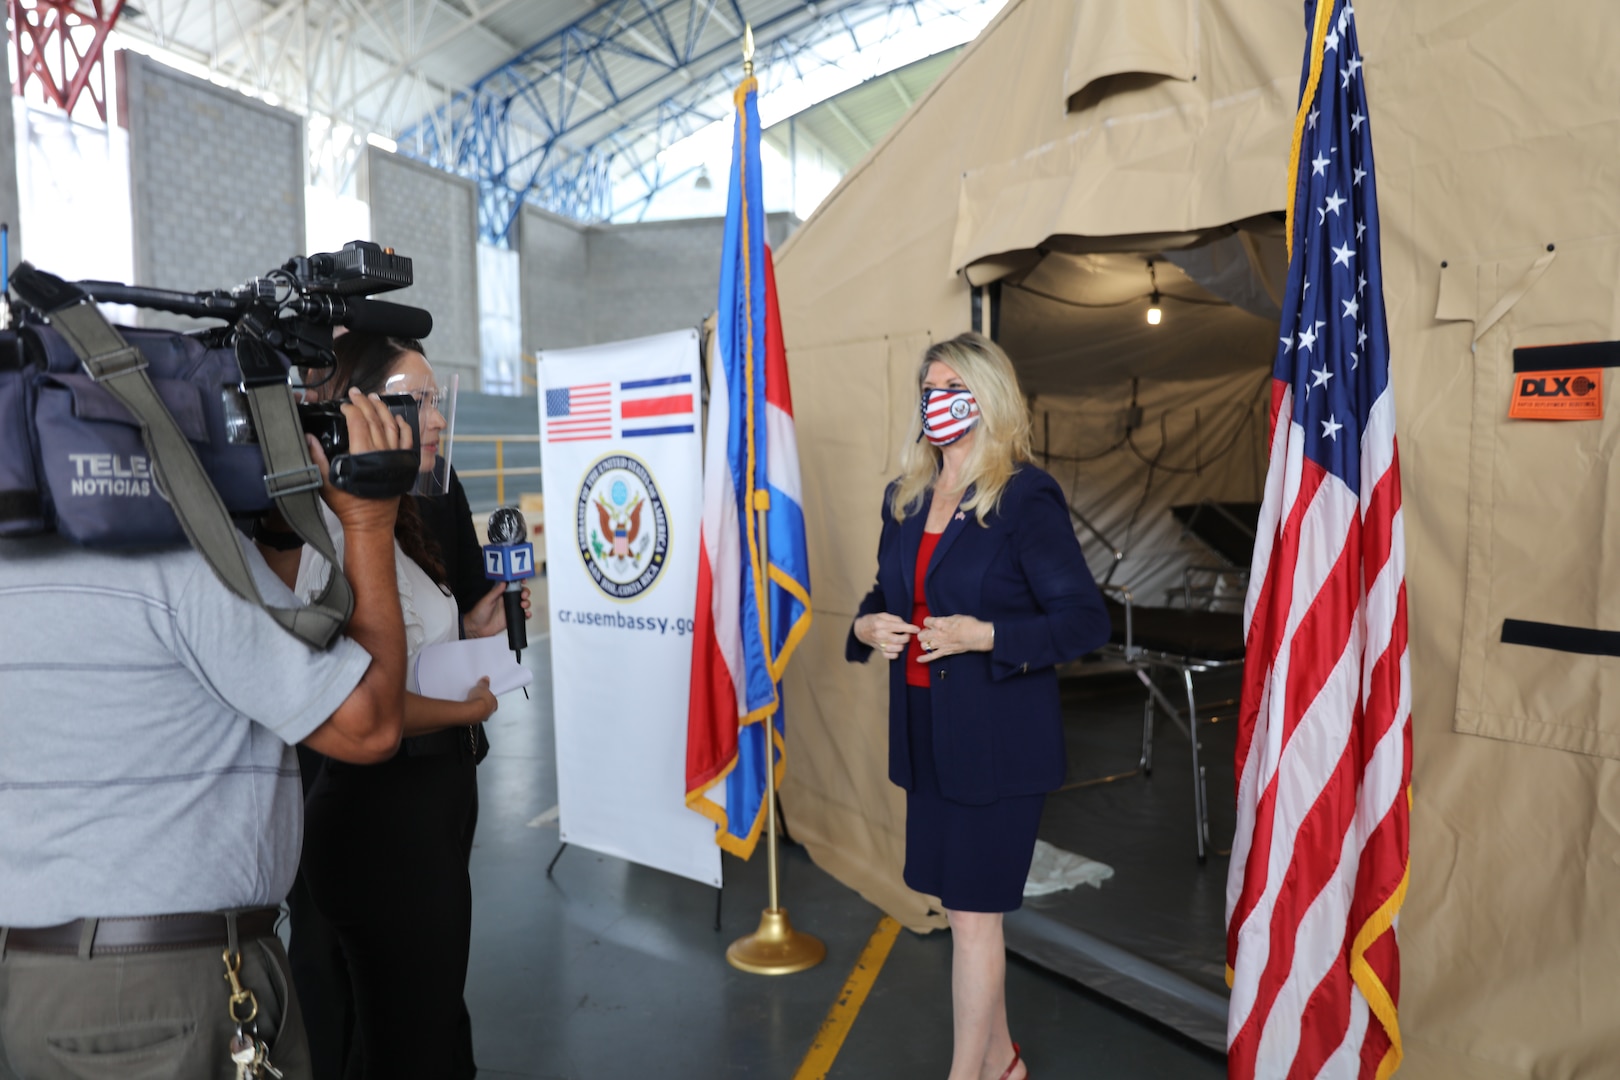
(1557, 395)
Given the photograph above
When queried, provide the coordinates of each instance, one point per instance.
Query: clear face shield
(435, 424)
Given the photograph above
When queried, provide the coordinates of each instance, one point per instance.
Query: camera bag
(96, 478)
(125, 443)
(22, 510)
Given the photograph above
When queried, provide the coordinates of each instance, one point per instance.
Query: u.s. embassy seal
(621, 526)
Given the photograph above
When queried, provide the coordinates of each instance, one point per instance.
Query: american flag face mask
(948, 415)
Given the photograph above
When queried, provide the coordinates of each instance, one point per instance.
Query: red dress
(917, 674)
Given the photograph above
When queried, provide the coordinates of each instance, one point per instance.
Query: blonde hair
(1001, 439)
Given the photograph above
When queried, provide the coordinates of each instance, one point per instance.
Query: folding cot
(1186, 640)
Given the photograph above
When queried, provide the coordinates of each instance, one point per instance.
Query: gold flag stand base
(775, 948)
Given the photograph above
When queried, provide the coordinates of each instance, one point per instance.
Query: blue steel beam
(599, 98)
(511, 131)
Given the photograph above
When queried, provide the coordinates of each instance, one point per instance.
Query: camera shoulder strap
(291, 478)
(120, 368)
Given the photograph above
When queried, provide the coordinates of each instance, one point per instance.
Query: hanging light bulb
(1155, 313)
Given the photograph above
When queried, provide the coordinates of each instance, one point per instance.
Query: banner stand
(621, 449)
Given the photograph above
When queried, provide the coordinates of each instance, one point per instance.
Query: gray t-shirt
(147, 716)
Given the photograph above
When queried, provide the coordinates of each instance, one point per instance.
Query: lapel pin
(960, 516)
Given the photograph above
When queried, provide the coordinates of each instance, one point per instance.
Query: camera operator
(150, 806)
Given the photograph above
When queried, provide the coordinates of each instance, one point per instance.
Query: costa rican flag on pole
(753, 601)
(1324, 756)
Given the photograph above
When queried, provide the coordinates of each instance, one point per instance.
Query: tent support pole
(986, 317)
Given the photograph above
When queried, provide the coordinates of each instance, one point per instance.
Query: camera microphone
(509, 557)
(382, 317)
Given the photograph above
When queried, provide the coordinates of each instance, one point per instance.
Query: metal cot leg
(1200, 803)
(1147, 736)
(1189, 727)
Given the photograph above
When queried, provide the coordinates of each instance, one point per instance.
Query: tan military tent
(1074, 140)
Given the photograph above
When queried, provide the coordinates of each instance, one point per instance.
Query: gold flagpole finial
(748, 51)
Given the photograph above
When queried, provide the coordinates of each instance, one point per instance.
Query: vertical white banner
(620, 437)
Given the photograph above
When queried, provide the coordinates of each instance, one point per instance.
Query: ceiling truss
(578, 122)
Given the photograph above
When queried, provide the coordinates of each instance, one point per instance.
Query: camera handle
(120, 368)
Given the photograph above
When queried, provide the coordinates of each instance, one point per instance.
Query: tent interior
(1133, 413)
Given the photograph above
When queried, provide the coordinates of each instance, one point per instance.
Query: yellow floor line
(830, 1039)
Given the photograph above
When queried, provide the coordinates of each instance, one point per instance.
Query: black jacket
(998, 724)
(447, 519)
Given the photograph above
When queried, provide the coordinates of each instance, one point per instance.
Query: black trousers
(382, 917)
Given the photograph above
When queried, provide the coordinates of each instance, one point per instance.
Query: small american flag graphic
(579, 413)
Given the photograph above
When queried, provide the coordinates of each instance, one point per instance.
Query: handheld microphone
(509, 557)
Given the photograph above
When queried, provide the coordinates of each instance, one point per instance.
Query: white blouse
(431, 616)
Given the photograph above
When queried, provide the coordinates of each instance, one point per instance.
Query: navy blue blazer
(998, 724)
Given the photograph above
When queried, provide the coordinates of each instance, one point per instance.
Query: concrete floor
(609, 970)
(1163, 904)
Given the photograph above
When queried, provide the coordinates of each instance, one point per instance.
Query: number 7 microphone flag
(1324, 755)
(750, 616)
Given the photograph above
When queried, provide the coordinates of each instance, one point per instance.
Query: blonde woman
(981, 591)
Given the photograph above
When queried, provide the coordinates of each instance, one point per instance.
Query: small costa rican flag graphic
(579, 413)
(662, 406)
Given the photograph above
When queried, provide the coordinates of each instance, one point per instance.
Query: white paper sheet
(1054, 870)
(450, 670)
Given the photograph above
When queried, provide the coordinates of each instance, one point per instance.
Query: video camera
(131, 438)
(292, 309)
(271, 324)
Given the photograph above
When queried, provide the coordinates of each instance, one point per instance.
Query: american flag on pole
(1324, 756)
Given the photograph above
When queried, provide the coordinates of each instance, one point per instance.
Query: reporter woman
(386, 846)
(981, 591)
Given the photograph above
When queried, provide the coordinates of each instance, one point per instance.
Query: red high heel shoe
(1014, 1065)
